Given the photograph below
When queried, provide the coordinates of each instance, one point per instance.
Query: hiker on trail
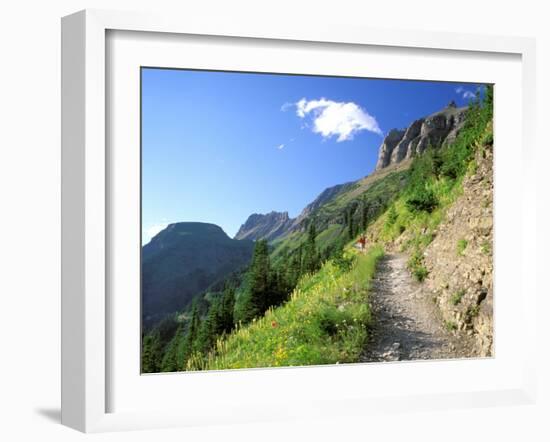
(362, 242)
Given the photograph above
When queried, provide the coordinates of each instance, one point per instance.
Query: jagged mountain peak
(264, 226)
(436, 129)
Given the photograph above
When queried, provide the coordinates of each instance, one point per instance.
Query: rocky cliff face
(434, 130)
(388, 145)
(460, 259)
(268, 226)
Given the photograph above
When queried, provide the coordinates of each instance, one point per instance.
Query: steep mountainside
(428, 209)
(460, 258)
(275, 225)
(184, 260)
(346, 212)
(443, 221)
(268, 226)
(327, 195)
(434, 130)
(365, 197)
(330, 207)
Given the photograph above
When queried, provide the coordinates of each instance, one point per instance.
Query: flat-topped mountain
(183, 260)
(434, 130)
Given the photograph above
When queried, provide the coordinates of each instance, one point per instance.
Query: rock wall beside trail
(460, 258)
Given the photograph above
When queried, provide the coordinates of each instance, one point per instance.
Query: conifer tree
(151, 356)
(147, 360)
(209, 328)
(311, 256)
(295, 267)
(258, 281)
(300, 261)
(364, 214)
(277, 287)
(190, 340)
(169, 360)
(227, 308)
(351, 232)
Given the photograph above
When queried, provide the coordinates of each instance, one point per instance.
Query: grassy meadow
(325, 321)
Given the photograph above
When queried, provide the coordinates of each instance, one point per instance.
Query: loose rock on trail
(406, 322)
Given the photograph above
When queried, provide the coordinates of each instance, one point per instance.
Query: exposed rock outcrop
(265, 226)
(387, 147)
(408, 143)
(460, 258)
(434, 130)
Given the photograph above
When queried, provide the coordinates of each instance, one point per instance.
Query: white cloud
(280, 146)
(467, 94)
(152, 230)
(340, 119)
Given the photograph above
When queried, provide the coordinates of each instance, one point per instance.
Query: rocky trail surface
(406, 323)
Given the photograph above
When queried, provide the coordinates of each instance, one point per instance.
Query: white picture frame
(86, 205)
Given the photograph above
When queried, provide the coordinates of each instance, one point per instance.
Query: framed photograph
(278, 222)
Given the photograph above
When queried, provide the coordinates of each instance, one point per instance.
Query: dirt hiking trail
(406, 323)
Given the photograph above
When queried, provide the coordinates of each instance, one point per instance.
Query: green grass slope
(325, 322)
(364, 201)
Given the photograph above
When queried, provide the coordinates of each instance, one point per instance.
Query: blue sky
(218, 146)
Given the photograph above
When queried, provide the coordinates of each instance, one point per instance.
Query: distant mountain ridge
(274, 225)
(184, 260)
(268, 226)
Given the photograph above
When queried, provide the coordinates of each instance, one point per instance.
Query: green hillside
(304, 297)
(341, 217)
(324, 322)
(184, 260)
